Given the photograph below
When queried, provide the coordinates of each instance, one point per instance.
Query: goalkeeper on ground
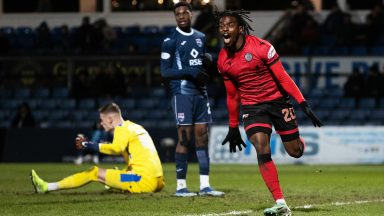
(143, 173)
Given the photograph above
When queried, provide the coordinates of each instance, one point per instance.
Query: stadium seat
(127, 104)
(339, 115)
(329, 103)
(67, 104)
(87, 103)
(22, 92)
(168, 29)
(317, 93)
(11, 104)
(135, 29)
(359, 116)
(60, 92)
(321, 51)
(83, 124)
(379, 50)
(359, 51)
(49, 104)
(41, 92)
(57, 115)
(147, 103)
(26, 38)
(367, 103)
(340, 51)
(6, 93)
(347, 103)
(41, 114)
(136, 115)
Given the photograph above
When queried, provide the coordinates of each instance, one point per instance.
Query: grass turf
(309, 190)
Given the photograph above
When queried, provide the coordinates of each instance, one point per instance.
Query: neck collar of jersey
(184, 33)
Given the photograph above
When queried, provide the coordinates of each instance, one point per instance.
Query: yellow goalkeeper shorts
(132, 182)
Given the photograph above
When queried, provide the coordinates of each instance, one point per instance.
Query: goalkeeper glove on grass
(234, 139)
(308, 111)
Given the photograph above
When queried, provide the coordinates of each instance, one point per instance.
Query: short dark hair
(182, 3)
(110, 108)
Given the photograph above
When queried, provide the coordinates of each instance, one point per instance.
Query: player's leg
(73, 181)
(202, 117)
(258, 126)
(286, 126)
(131, 182)
(182, 108)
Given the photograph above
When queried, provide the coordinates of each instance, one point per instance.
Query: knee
(297, 153)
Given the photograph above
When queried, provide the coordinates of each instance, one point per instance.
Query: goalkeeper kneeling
(131, 141)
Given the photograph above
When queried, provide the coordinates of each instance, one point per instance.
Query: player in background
(255, 79)
(143, 173)
(183, 66)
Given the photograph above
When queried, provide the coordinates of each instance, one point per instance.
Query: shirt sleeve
(233, 102)
(286, 82)
(168, 52)
(119, 144)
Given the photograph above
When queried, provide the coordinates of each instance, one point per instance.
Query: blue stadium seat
(340, 51)
(67, 104)
(49, 104)
(347, 103)
(317, 93)
(56, 115)
(41, 92)
(147, 103)
(128, 104)
(359, 116)
(136, 115)
(60, 92)
(359, 50)
(329, 103)
(11, 104)
(87, 103)
(151, 29)
(168, 29)
(41, 114)
(26, 38)
(379, 50)
(321, 51)
(367, 103)
(135, 29)
(79, 115)
(377, 115)
(158, 92)
(339, 115)
(156, 114)
(61, 124)
(83, 124)
(22, 92)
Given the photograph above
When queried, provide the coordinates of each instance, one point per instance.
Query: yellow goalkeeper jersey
(133, 142)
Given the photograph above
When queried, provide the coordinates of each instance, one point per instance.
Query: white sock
(181, 183)
(281, 201)
(53, 186)
(204, 181)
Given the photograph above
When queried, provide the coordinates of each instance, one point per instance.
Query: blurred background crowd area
(61, 74)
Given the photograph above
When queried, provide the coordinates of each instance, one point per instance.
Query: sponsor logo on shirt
(182, 43)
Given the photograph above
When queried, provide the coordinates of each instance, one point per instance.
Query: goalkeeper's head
(110, 116)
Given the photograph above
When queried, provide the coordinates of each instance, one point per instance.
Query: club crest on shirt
(248, 57)
(199, 42)
(180, 117)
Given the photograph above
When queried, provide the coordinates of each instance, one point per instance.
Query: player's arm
(233, 102)
(292, 89)
(167, 57)
(119, 143)
(286, 82)
(233, 106)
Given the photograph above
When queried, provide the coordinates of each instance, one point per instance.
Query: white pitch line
(308, 206)
(337, 204)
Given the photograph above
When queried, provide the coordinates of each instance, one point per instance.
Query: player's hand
(207, 61)
(308, 111)
(234, 139)
(202, 77)
(80, 141)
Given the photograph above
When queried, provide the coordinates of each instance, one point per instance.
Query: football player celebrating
(143, 173)
(183, 65)
(256, 80)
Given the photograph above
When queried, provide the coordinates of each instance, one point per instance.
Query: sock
(53, 186)
(181, 168)
(79, 179)
(281, 201)
(303, 142)
(269, 173)
(181, 183)
(203, 158)
(204, 181)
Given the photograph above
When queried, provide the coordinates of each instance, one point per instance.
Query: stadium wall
(326, 145)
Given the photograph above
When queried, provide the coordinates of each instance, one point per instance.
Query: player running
(143, 173)
(255, 79)
(182, 65)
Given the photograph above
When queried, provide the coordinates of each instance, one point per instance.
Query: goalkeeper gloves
(81, 142)
(308, 111)
(234, 139)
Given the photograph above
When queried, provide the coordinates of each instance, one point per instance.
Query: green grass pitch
(309, 190)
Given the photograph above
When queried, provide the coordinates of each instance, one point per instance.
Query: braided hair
(241, 16)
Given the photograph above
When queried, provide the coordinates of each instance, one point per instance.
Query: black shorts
(279, 113)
